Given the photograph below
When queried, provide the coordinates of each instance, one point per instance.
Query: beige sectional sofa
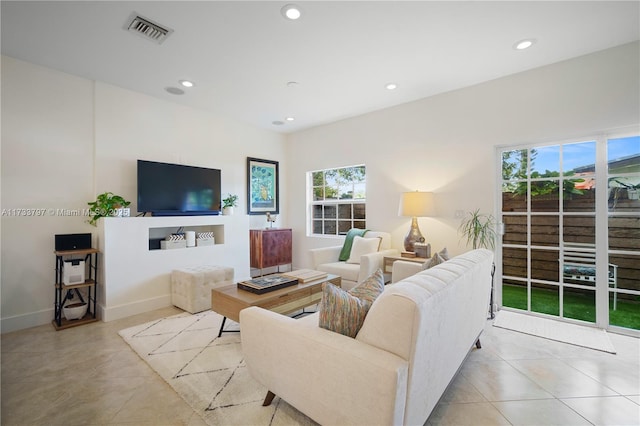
(413, 341)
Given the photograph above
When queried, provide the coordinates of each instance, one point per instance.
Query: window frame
(356, 217)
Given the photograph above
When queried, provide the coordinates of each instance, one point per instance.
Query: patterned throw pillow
(436, 259)
(344, 311)
(444, 253)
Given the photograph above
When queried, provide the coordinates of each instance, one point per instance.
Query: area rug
(207, 371)
(588, 337)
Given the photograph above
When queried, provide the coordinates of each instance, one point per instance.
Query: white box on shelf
(73, 272)
(200, 242)
(166, 245)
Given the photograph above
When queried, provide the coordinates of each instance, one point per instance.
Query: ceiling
(242, 54)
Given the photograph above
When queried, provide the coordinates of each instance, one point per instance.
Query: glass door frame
(601, 214)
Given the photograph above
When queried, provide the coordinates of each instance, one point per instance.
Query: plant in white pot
(478, 229)
(228, 203)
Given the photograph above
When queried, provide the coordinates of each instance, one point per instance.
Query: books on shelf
(267, 283)
(306, 275)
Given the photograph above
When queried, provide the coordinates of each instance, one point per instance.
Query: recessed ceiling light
(524, 44)
(291, 11)
(187, 83)
(292, 84)
(277, 123)
(391, 86)
(289, 118)
(174, 90)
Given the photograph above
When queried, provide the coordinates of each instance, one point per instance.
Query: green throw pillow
(344, 311)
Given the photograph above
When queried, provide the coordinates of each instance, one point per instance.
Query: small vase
(227, 211)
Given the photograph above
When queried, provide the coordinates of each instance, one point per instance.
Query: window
(337, 200)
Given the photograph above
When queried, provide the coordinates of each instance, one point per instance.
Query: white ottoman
(191, 287)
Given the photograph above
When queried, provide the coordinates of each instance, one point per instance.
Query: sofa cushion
(344, 311)
(347, 271)
(362, 246)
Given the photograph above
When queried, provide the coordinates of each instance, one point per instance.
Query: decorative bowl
(75, 310)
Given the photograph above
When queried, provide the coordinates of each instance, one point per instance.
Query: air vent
(148, 29)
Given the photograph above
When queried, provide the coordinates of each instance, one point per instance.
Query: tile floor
(88, 376)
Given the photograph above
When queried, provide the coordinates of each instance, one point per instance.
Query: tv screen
(166, 189)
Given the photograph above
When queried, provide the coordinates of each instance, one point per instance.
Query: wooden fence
(624, 234)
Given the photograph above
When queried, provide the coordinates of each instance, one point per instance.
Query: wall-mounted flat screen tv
(166, 189)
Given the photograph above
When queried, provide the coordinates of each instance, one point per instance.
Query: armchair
(326, 260)
(401, 270)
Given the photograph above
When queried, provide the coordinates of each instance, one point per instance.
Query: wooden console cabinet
(270, 247)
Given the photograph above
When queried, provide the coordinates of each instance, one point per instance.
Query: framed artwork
(262, 186)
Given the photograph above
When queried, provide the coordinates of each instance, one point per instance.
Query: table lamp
(415, 204)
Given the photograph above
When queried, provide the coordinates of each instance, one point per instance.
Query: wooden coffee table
(229, 300)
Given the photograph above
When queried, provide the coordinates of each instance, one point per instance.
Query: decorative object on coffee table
(267, 283)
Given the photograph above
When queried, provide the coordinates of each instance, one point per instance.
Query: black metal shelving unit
(64, 292)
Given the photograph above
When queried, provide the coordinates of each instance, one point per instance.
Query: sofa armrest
(325, 255)
(331, 378)
(402, 269)
(370, 263)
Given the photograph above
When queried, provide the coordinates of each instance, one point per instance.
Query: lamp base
(413, 236)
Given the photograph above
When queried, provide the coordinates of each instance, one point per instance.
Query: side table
(389, 260)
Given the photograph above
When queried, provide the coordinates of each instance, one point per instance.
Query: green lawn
(577, 305)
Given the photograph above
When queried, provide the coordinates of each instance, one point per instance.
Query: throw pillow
(362, 246)
(344, 311)
(348, 242)
(444, 253)
(370, 288)
(436, 259)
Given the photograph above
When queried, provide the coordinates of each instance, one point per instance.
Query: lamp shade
(416, 204)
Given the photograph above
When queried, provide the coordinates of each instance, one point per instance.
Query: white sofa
(326, 260)
(413, 341)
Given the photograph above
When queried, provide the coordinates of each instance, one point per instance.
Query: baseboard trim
(20, 322)
(34, 319)
(138, 307)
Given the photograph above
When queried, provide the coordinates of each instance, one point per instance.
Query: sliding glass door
(568, 248)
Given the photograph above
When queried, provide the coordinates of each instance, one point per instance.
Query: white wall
(447, 143)
(66, 139)
(47, 163)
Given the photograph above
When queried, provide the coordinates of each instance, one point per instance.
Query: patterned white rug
(207, 371)
(588, 337)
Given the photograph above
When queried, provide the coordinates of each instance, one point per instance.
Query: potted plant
(107, 204)
(478, 229)
(228, 203)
